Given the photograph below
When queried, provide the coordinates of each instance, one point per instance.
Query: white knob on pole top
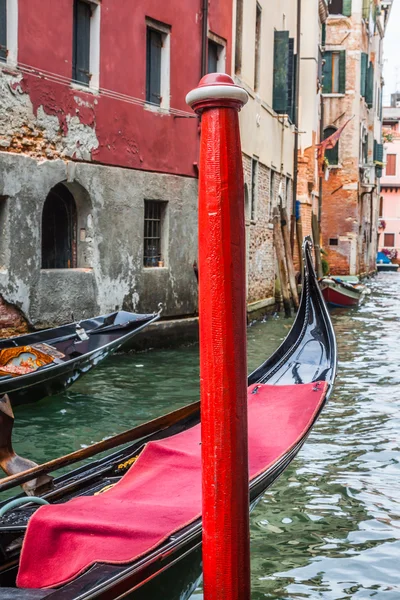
(217, 90)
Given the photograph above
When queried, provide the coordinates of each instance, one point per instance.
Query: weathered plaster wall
(43, 114)
(259, 229)
(116, 277)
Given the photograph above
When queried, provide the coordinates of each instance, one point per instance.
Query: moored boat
(46, 362)
(338, 292)
(129, 524)
(383, 263)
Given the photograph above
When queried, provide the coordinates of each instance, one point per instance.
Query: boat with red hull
(337, 292)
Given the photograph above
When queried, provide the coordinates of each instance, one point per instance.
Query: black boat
(170, 569)
(46, 362)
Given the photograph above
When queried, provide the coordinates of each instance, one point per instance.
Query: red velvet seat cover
(159, 494)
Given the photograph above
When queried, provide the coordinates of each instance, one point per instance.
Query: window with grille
(3, 30)
(391, 164)
(389, 240)
(81, 48)
(154, 212)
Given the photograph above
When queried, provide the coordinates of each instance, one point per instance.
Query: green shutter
(327, 73)
(291, 85)
(365, 9)
(347, 8)
(342, 72)
(378, 152)
(363, 82)
(323, 34)
(281, 65)
(369, 92)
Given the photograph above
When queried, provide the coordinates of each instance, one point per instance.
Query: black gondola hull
(81, 356)
(171, 571)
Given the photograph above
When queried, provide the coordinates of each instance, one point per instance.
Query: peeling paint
(40, 130)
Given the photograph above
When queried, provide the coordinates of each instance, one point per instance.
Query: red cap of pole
(223, 364)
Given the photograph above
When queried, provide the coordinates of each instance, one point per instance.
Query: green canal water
(330, 527)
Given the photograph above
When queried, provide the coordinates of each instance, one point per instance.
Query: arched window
(59, 229)
(332, 154)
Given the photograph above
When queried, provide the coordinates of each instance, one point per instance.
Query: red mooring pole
(223, 364)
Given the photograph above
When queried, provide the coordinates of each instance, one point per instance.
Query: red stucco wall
(128, 135)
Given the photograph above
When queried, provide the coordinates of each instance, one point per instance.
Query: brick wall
(259, 230)
(12, 321)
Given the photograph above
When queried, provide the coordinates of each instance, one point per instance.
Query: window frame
(220, 44)
(389, 245)
(165, 32)
(255, 166)
(332, 154)
(161, 221)
(392, 163)
(93, 82)
(329, 82)
(257, 47)
(10, 19)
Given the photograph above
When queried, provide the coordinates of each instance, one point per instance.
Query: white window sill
(150, 269)
(333, 167)
(66, 270)
(85, 88)
(162, 110)
(333, 95)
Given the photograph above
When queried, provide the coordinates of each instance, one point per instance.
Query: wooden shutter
(389, 240)
(369, 92)
(327, 73)
(342, 72)
(3, 29)
(323, 34)
(378, 151)
(363, 82)
(347, 8)
(365, 9)
(391, 164)
(291, 84)
(281, 66)
(81, 54)
(153, 78)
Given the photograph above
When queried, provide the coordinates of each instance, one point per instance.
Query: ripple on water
(330, 527)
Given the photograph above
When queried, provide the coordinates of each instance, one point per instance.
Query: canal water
(330, 527)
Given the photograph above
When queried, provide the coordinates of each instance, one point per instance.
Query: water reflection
(330, 527)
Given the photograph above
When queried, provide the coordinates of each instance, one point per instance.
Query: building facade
(98, 154)
(352, 92)
(264, 64)
(389, 208)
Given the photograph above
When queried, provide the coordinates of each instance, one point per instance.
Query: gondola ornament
(223, 364)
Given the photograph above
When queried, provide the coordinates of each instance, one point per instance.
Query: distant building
(395, 100)
(264, 64)
(389, 208)
(352, 89)
(99, 152)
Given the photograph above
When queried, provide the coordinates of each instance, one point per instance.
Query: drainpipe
(204, 38)
(321, 136)
(296, 126)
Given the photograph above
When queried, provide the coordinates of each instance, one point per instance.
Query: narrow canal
(330, 527)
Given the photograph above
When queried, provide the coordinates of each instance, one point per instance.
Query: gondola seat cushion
(159, 495)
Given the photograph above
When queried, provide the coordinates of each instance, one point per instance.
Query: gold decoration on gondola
(22, 360)
(127, 463)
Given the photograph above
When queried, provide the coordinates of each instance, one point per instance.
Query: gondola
(46, 362)
(148, 505)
